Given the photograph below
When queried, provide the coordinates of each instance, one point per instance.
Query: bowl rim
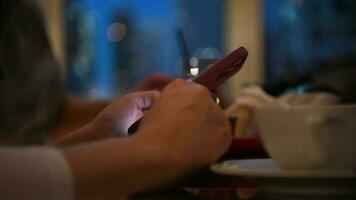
(298, 107)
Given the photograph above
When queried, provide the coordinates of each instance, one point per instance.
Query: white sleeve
(34, 173)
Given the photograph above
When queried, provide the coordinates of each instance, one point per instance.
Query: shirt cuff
(35, 173)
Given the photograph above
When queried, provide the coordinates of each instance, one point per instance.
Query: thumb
(145, 100)
(138, 103)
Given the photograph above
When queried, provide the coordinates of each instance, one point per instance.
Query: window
(113, 45)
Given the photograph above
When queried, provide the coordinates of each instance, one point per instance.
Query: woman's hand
(114, 120)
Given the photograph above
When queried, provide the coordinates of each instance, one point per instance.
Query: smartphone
(215, 75)
(221, 71)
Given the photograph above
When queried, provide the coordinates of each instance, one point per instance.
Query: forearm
(117, 168)
(77, 113)
(87, 133)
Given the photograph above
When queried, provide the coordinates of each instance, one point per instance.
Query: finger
(223, 118)
(201, 89)
(145, 100)
(176, 83)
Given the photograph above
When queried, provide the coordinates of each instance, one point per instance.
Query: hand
(188, 125)
(114, 120)
(184, 130)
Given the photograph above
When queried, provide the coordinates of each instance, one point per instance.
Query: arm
(112, 121)
(118, 168)
(183, 131)
(77, 112)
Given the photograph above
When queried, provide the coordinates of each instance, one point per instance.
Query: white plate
(269, 169)
(276, 183)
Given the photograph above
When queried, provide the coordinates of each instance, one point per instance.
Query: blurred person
(33, 101)
(31, 83)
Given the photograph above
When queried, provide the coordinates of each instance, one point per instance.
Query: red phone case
(213, 77)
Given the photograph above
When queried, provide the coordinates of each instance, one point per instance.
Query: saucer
(273, 182)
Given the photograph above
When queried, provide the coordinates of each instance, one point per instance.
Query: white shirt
(36, 173)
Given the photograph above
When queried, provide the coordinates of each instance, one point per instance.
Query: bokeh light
(194, 71)
(194, 62)
(116, 32)
(207, 53)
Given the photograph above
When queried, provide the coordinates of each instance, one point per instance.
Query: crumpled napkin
(255, 97)
(311, 98)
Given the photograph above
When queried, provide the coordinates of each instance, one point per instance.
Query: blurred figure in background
(33, 100)
(31, 90)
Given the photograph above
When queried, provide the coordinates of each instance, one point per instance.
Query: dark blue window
(114, 44)
(304, 36)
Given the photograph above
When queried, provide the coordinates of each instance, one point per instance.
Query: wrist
(96, 132)
(160, 154)
(86, 133)
(119, 166)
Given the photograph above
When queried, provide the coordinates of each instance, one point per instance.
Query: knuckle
(152, 93)
(226, 127)
(227, 134)
(129, 97)
(202, 90)
(219, 112)
(155, 92)
(175, 83)
(179, 82)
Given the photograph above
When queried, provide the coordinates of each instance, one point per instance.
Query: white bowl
(309, 137)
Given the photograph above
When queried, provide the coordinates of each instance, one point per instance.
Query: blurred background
(108, 47)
